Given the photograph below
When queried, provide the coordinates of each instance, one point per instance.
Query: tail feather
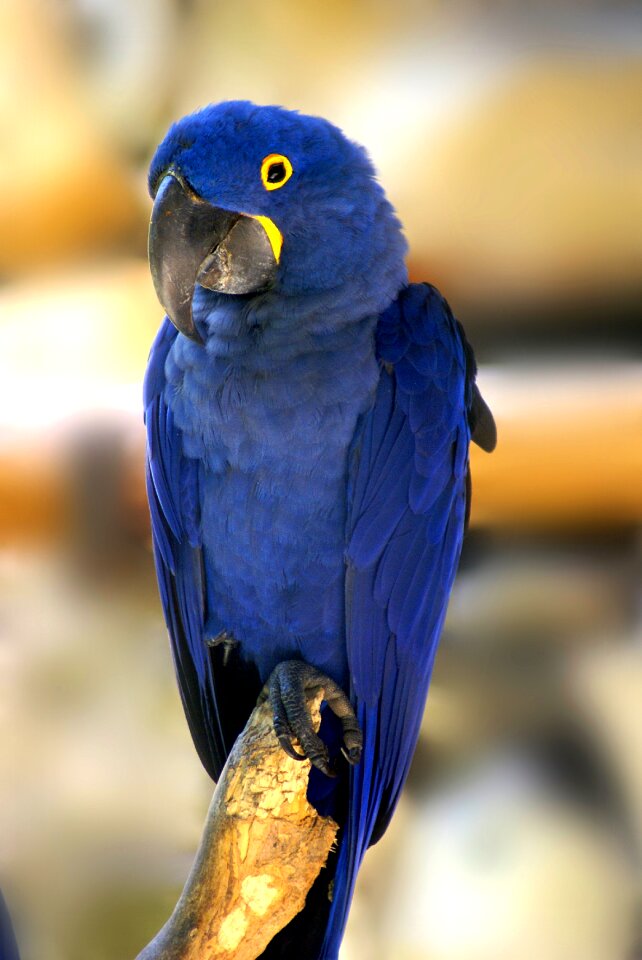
(366, 792)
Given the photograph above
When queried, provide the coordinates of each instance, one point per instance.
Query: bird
(308, 414)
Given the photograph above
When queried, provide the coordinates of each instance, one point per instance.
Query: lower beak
(191, 241)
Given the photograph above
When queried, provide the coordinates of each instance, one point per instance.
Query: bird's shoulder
(420, 342)
(418, 337)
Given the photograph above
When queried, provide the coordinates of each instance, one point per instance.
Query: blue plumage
(8, 945)
(307, 463)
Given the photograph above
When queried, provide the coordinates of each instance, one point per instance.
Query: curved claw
(352, 755)
(324, 767)
(289, 749)
(289, 687)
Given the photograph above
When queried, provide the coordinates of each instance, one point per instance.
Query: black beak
(191, 242)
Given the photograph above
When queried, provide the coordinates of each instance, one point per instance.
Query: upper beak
(191, 241)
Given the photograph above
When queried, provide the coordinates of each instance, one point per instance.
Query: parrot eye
(275, 171)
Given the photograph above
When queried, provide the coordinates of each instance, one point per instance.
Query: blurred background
(508, 137)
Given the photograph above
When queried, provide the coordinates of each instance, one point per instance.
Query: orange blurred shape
(533, 191)
(63, 189)
(73, 353)
(569, 451)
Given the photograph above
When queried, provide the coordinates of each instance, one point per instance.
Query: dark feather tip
(484, 429)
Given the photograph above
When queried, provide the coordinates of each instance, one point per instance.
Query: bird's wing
(407, 510)
(173, 490)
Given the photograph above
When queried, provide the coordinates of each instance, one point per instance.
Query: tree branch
(262, 848)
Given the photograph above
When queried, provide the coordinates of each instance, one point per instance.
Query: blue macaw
(309, 414)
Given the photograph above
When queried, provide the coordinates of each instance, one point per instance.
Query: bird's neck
(263, 366)
(261, 333)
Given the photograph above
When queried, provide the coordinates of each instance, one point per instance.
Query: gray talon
(290, 687)
(325, 767)
(286, 743)
(224, 639)
(353, 755)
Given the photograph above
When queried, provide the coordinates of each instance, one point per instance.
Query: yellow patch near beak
(274, 235)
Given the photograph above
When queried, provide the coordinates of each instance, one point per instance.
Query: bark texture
(262, 848)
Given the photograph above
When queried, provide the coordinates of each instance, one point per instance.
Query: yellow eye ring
(276, 170)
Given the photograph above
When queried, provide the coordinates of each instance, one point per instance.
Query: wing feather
(173, 490)
(405, 528)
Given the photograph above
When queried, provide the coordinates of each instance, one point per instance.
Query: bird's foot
(291, 685)
(225, 640)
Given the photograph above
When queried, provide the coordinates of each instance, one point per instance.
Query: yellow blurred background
(508, 136)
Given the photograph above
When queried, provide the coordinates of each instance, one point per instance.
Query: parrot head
(249, 199)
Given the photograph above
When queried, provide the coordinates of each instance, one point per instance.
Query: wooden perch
(262, 848)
